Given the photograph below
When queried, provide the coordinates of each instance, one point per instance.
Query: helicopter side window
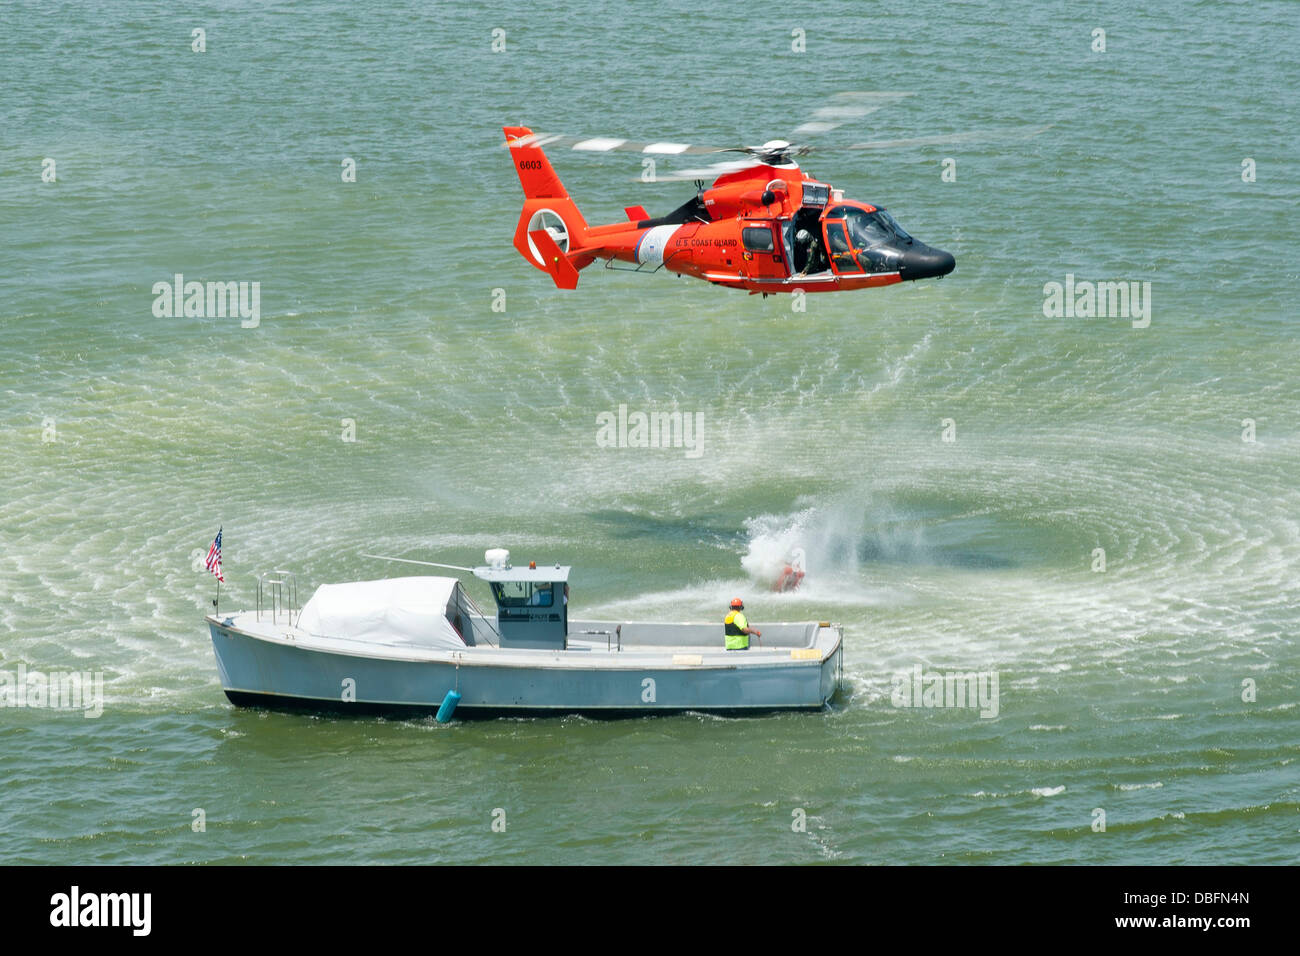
(841, 250)
(758, 239)
(835, 233)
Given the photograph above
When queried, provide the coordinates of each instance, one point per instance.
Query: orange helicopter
(764, 226)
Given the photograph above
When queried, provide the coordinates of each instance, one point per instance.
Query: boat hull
(261, 672)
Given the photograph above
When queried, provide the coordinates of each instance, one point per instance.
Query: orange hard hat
(737, 603)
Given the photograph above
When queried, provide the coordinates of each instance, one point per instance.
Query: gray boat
(420, 644)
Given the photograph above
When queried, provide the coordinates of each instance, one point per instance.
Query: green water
(129, 438)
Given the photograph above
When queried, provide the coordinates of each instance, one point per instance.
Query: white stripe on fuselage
(650, 249)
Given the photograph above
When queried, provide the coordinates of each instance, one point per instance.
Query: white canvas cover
(395, 611)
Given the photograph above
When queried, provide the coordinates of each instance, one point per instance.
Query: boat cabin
(532, 602)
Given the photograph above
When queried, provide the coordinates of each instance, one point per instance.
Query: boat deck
(602, 644)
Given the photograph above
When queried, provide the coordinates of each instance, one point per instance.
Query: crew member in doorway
(737, 627)
(814, 260)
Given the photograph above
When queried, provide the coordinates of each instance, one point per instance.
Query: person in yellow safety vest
(737, 628)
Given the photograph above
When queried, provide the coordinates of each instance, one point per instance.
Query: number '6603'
(530, 164)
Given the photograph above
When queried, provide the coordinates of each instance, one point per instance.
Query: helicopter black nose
(925, 262)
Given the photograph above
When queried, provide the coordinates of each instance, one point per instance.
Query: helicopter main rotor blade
(972, 136)
(839, 108)
(712, 171)
(844, 107)
(606, 144)
(774, 156)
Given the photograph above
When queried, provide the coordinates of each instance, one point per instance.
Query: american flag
(213, 563)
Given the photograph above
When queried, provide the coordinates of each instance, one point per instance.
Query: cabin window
(758, 239)
(523, 594)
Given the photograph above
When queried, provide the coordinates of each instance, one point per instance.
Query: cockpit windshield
(871, 228)
(893, 224)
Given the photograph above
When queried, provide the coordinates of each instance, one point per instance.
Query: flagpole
(214, 565)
